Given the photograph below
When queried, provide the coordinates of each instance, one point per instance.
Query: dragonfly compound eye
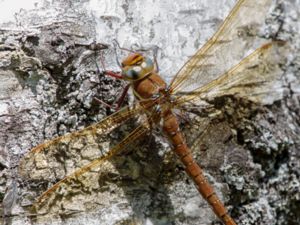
(131, 74)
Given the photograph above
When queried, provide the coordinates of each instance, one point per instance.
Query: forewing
(84, 184)
(56, 158)
(226, 48)
(256, 78)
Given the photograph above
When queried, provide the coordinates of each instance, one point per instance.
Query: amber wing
(227, 47)
(86, 177)
(257, 77)
(72, 150)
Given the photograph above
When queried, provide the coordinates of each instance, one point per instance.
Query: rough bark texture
(48, 78)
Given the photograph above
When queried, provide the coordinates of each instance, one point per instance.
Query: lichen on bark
(49, 77)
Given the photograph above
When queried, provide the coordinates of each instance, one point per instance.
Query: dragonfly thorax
(136, 67)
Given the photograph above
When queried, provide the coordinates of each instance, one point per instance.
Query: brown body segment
(171, 128)
(145, 89)
(149, 86)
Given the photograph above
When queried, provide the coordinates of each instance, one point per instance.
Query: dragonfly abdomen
(192, 168)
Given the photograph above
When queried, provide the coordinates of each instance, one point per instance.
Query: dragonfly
(221, 67)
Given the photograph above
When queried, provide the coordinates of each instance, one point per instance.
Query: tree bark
(49, 75)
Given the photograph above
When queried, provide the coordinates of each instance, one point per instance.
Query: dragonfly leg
(113, 74)
(118, 103)
(117, 44)
(116, 75)
(155, 50)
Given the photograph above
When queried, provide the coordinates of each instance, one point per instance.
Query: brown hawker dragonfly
(213, 71)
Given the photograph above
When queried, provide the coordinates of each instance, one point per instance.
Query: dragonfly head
(136, 66)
